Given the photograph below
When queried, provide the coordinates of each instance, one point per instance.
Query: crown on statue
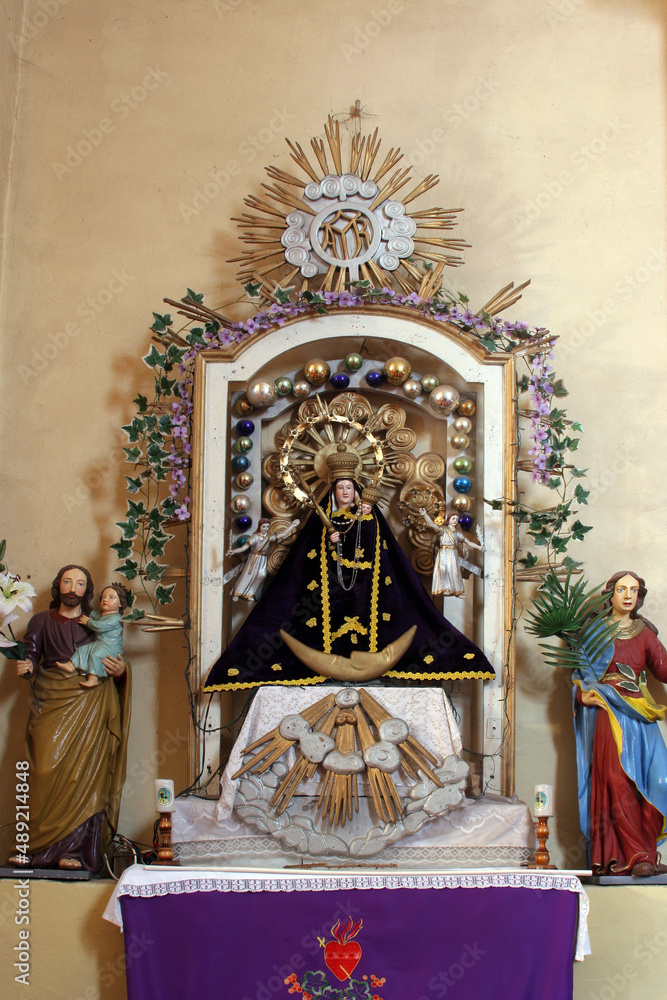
(371, 495)
(342, 464)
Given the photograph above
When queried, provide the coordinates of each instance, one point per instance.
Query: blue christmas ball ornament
(243, 522)
(240, 463)
(375, 377)
(245, 427)
(340, 380)
(462, 484)
(466, 521)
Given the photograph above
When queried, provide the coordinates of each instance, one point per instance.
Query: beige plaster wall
(544, 119)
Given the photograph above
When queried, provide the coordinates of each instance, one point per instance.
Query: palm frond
(574, 614)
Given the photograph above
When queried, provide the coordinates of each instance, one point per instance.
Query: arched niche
(485, 707)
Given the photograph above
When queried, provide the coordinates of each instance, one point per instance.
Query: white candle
(164, 793)
(544, 796)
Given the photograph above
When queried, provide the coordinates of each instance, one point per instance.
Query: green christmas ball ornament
(244, 445)
(353, 362)
(429, 383)
(462, 465)
(283, 385)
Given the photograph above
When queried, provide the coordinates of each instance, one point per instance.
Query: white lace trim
(139, 883)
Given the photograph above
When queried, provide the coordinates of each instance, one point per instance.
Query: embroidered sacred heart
(342, 955)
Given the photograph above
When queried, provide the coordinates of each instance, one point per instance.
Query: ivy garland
(159, 433)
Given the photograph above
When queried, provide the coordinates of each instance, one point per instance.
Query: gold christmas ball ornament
(316, 371)
(429, 383)
(243, 407)
(466, 407)
(261, 394)
(241, 504)
(443, 400)
(301, 389)
(397, 370)
(459, 442)
(244, 481)
(462, 425)
(461, 504)
(412, 388)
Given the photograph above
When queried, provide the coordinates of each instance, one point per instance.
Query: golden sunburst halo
(337, 227)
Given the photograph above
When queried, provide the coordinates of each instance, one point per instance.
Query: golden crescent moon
(358, 667)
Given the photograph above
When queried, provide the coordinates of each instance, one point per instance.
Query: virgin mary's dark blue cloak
(361, 595)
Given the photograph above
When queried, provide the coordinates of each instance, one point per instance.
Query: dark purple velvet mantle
(464, 944)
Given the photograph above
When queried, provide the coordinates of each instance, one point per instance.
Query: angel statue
(450, 541)
(251, 574)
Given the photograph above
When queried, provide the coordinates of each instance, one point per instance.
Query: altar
(259, 935)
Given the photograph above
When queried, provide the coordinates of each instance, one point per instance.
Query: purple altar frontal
(251, 935)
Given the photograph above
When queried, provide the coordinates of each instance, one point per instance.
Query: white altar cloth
(145, 881)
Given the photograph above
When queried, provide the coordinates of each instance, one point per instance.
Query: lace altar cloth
(489, 831)
(144, 882)
(426, 711)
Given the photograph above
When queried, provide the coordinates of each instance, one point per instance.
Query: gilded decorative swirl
(430, 466)
(278, 503)
(422, 560)
(402, 465)
(402, 438)
(389, 416)
(351, 405)
(271, 467)
(309, 409)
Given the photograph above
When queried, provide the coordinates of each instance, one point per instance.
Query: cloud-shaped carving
(344, 763)
(384, 756)
(292, 727)
(315, 746)
(393, 730)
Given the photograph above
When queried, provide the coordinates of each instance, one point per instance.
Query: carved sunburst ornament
(338, 226)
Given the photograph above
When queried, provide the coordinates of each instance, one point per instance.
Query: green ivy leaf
(578, 473)
(163, 594)
(129, 529)
(134, 615)
(282, 295)
(559, 388)
(489, 343)
(579, 530)
(580, 494)
(196, 338)
(529, 560)
(129, 569)
(193, 296)
(571, 563)
(154, 570)
(252, 289)
(133, 485)
(153, 358)
(122, 549)
(142, 403)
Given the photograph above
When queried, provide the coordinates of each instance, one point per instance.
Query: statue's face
(344, 492)
(109, 601)
(72, 587)
(626, 592)
(453, 520)
(264, 528)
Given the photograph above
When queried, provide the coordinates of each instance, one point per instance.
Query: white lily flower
(14, 593)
